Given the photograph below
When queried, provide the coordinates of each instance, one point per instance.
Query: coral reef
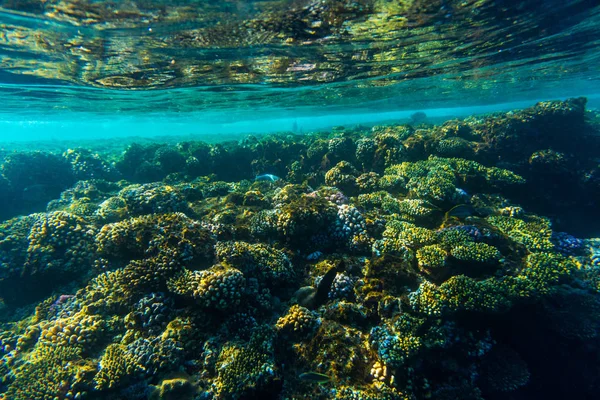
(398, 262)
(219, 287)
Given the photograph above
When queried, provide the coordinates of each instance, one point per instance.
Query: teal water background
(96, 70)
(207, 126)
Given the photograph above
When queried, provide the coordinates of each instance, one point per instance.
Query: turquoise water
(222, 67)
(299, 199)
(213, 126)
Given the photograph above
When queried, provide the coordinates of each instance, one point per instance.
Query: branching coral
(544, 270)
(52, 372)
(535, 233)
(117, 368)
(244, 369)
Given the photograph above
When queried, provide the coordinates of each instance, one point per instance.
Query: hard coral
(298, 322)
(117, 368)
(269, 264)
(40, 249)
(53, 372)
(218, 287)
(247, 370)
(343, 176)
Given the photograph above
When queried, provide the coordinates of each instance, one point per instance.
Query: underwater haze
(299, 199)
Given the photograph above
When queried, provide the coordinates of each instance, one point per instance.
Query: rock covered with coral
(440, 262)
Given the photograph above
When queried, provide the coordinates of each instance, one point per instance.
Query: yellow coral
(51, 371)
(431, 257)
(117, 367)
(543, 270)
(533, 233)
(79, 330)
(298, 320)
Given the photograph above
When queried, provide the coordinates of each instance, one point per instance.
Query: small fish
(315, 377)
(267, 177)
(461, 211)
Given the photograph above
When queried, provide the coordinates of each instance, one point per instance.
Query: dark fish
(461, 211)
(267, 177)
(325, 286)
(311, 297)
(315, 377)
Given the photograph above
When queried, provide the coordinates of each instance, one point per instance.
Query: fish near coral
(267, 178)
(311, 297)
(315, 377)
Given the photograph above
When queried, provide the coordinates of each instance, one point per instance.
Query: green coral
(393, 246)
(343, 176)
(393, 184)
(43, 250)
(153, 198)
(57, 242)
(426, 299)
(463, 293)
(394, 348)
(117, 368)
(411, 210)
(476, 252)
(51, 372)
(388, 142)
(460, 293)
(378, 201)
(368, 182)
(427, 180)
(450, 238)
(304, 217)
(453, 147)
(298, 321)
(544, 270)
(378, 391)
(437, 178)
(178, 388)
(79, 330)
(159, 246)
(153, 301)
(337, 350)
(533, 232)
(408, 234)
(172, 234)
(108, 292)
(112, 209)
(431, 257)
